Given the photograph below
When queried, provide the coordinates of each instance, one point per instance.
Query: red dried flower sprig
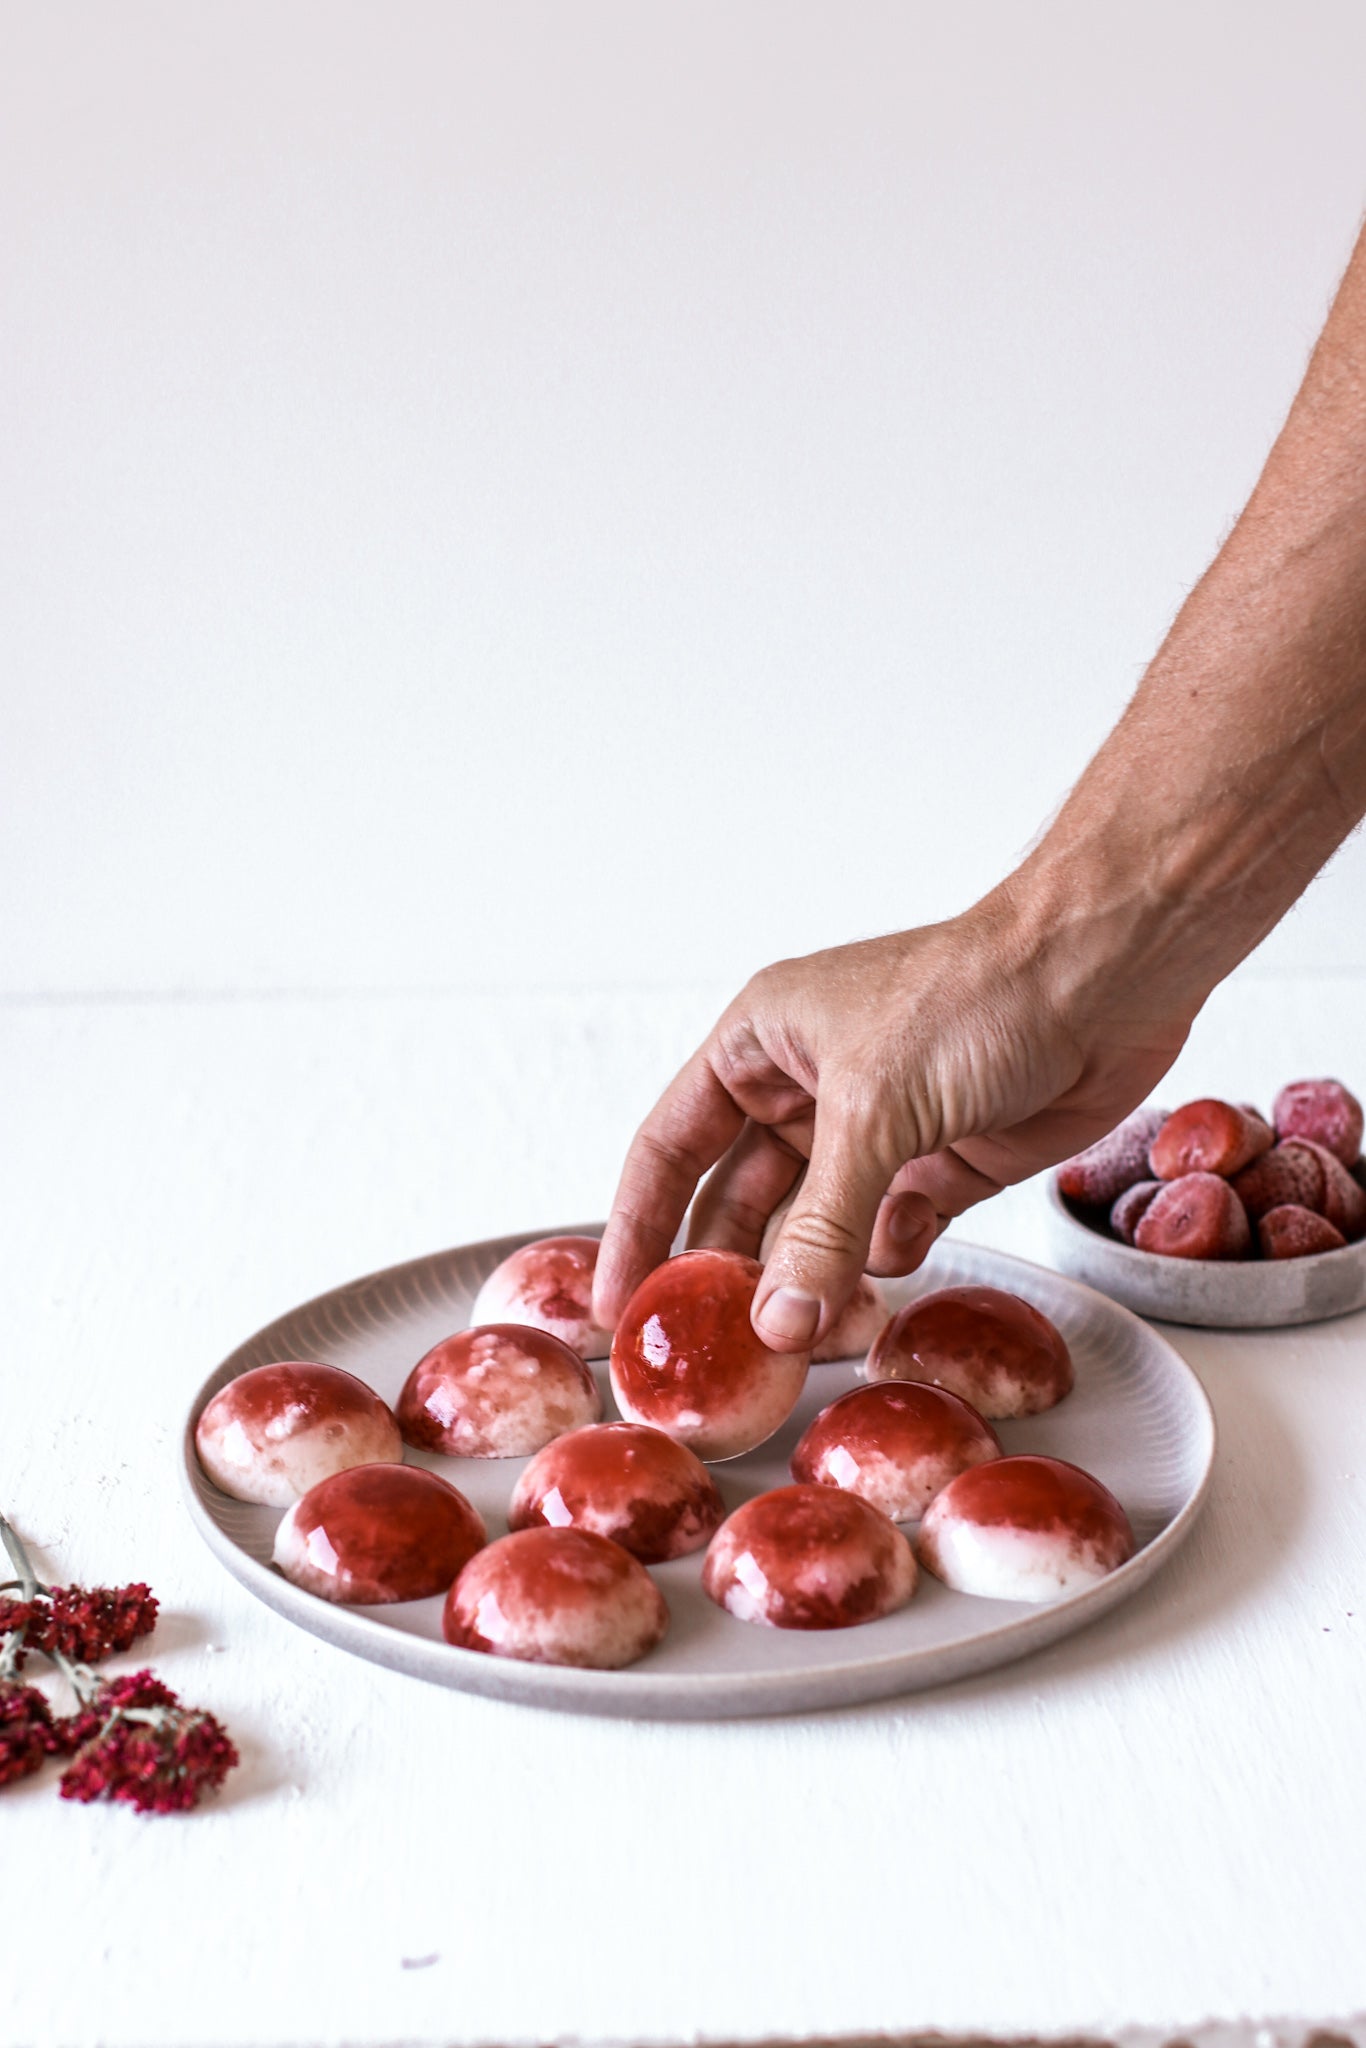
(16, 1617)
(131, 1738)
(84, 1623)
(134, 1741)
(28, 1735)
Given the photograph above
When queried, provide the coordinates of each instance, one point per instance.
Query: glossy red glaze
(276, 1430)
(990, 1348)
(1040, 1494)
(499, 1391)
(556, 1596)
(1195, 1217)
(377, 1534)
(620, 1479)
(301, 1390)
(895, 1444)
(548, 1285)
(1324, 1111)
(1290, 1232)
(686, 1358)
(808, 1557)
(1208, 1136)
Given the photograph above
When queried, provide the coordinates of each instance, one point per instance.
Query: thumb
(822, 1247)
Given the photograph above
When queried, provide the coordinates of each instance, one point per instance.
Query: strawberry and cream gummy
(622, 1480)
(895, 1445)
(808, 1557)
(993, 1350)
(274, 1432)
(1025, 1528)
(497, 1392)
(547, 1285)
(686, 1358)
(376, 1534)
(556, 1596)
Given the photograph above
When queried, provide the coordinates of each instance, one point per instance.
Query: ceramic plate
(1215, 1294)
(1138, 1418)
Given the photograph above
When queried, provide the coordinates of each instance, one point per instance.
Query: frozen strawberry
(1195, 1217)
(1207, 1137)
(1324, 1111)
(1265, 1135)
(1104, 1170)
(1291, 1232)
(1131, 1206)
(1290, 1172)
(1344, 1200)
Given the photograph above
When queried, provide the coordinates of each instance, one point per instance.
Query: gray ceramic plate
(1137, 1418)
(1217, 1294)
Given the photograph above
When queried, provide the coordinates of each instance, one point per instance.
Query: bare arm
(922, 1072)
(1240, 764)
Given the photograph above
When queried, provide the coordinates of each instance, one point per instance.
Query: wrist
(1108, 932)
(1204, 817)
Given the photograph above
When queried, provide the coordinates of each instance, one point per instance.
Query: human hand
(908, 1077)
(922, 1072)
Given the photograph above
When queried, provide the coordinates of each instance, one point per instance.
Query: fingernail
(789, 1316)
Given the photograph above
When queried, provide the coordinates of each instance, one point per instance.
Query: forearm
(1240, 764)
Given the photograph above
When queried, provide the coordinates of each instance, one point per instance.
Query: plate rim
(635, 1693)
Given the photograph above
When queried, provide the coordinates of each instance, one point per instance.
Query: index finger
(686, 1132)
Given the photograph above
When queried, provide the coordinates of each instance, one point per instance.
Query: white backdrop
(537, 494)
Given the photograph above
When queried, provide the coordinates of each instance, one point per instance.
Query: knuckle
(744, 1215)
(870, 1122)
(737, 1056)
(661, 1159)
(819, 1233)
(887, 1104)
(768, 982)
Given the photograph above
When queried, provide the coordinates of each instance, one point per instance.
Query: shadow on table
(259, 1775)
(1259, 1496)
(1258, 1500)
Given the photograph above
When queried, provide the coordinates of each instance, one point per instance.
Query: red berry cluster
(1217, 1180)
(130, 1738)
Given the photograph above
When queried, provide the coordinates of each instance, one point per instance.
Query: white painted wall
(538, 493)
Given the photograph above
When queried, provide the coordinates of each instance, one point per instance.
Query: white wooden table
(1157, 1827)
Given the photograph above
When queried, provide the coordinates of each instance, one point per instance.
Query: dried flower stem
(12, 1643)
(19, 1558)
(88, 1623)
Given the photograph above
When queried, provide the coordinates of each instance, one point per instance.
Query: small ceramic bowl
(1217, 1294)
